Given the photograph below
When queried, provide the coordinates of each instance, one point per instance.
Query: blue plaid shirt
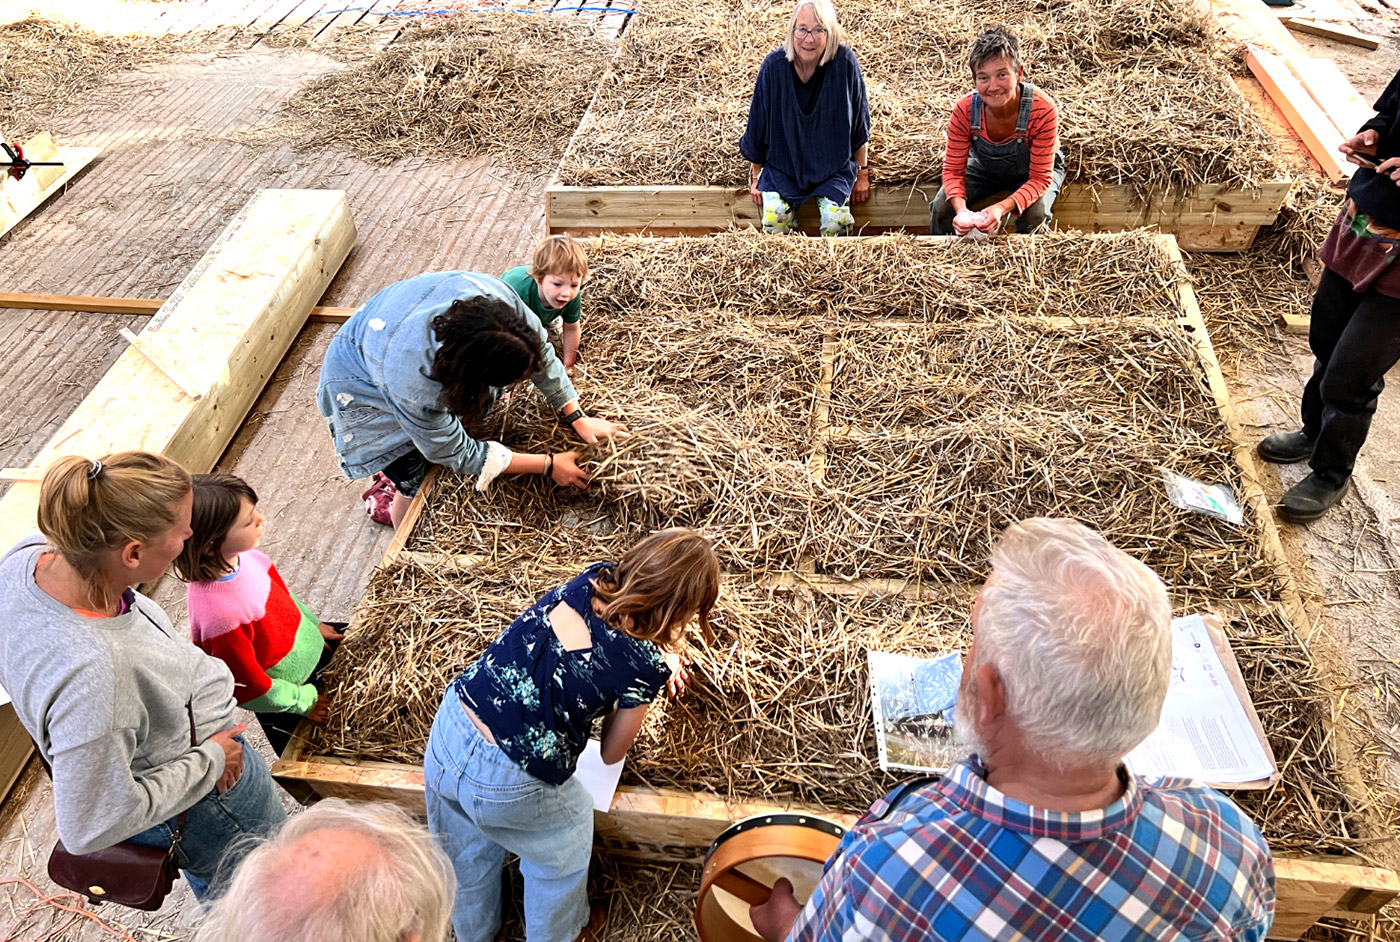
(955, 859)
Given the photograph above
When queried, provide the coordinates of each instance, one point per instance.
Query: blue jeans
(482, 805)
(221, 829)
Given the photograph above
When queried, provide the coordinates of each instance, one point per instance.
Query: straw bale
(749, 275)
(780, 706)
(49, 68)
(1145, 90)
(508, 86)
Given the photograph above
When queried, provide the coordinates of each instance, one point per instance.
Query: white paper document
(599, 778)
(1205, 733)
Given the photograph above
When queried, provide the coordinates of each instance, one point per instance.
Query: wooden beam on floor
(19, 198)
(232, 319)
(1332, 31)
(1333, 93)
(139, 307)
(1310, 122)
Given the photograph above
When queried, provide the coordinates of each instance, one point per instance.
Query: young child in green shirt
(551, 287)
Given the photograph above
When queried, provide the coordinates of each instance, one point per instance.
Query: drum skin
(747, 859)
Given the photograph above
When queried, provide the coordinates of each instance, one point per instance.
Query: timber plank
(1333, 92)
(1332, 31)
(1309, 121)
(137, 306)
(233, 317)
(665, 209)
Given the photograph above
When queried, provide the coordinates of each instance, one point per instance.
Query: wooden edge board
(1332, 31)
(675, 826)
(134, 306)
(1297, 324)
(1333, 93)
(1311, 123)
(18, 200)
(1249, 21)
(1312, 640)
(666, 209)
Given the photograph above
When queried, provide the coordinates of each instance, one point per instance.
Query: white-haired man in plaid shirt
(1042, 833)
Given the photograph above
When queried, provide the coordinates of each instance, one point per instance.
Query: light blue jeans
(482, 805)
(221, 829)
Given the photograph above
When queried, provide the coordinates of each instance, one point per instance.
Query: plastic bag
(1212, 500)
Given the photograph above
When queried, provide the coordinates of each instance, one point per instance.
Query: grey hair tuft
(404, 892)
(1081, 635)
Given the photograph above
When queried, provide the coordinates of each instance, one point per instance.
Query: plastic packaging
(1212, 500)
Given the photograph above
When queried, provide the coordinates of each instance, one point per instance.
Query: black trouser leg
(1355, 338)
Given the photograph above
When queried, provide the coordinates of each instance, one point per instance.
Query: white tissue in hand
(967, 218)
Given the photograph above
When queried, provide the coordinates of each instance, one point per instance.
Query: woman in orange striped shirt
(1003, 145)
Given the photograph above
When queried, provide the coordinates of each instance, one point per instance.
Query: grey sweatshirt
(105, 700)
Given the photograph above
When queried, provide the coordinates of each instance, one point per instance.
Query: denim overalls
(1002, 168)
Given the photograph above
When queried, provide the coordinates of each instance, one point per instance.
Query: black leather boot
(1286, 447)
(1312, 497)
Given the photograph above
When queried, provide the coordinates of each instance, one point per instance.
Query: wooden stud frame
(673, 825)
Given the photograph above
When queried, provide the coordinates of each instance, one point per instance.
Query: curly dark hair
(482, 343)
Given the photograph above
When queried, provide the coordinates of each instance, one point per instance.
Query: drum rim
(777, 819)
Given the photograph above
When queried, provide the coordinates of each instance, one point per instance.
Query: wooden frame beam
(1209, 217)
(140, 307)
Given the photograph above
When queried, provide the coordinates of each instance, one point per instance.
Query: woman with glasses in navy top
(809, 126)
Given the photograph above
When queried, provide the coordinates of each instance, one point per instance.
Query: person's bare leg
(399, 508)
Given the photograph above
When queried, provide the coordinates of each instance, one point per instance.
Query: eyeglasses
(802, 32)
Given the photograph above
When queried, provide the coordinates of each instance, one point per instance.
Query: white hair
(1081, 635)
(404, 891)
(826, 16)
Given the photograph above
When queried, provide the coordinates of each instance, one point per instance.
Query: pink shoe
(379, 498)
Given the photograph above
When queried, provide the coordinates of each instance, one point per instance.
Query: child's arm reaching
(620, 729)
(571, 340)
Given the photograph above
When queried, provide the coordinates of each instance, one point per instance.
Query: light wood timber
(1332, 31)
(1333, 93)
(233, 318)
(1312, 887)
(19, 198)
(1310, 122)
(1213, 217)
(134, 306)
(164, 361)
(1297, 324)
(1251, 22)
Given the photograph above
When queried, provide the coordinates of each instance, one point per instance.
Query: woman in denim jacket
(407, 378)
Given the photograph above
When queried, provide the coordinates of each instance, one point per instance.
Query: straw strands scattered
(48, 68)
(779, 709)
(512, 87)
(1145, 91)
(822, 438)
(754, 276)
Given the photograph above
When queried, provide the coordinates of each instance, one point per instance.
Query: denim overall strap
(1009, 160)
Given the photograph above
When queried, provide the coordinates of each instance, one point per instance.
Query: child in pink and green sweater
(243, 613)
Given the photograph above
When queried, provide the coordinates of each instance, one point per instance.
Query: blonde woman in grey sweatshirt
(106, 685)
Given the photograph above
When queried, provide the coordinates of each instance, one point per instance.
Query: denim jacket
(377, 390)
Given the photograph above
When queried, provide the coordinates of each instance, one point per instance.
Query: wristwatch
(574, 416)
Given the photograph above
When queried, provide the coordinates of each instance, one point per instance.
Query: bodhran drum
(748, 858)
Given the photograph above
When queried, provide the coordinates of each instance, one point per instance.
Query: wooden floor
(168, 181)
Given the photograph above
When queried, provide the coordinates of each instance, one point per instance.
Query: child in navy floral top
(501, 756)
